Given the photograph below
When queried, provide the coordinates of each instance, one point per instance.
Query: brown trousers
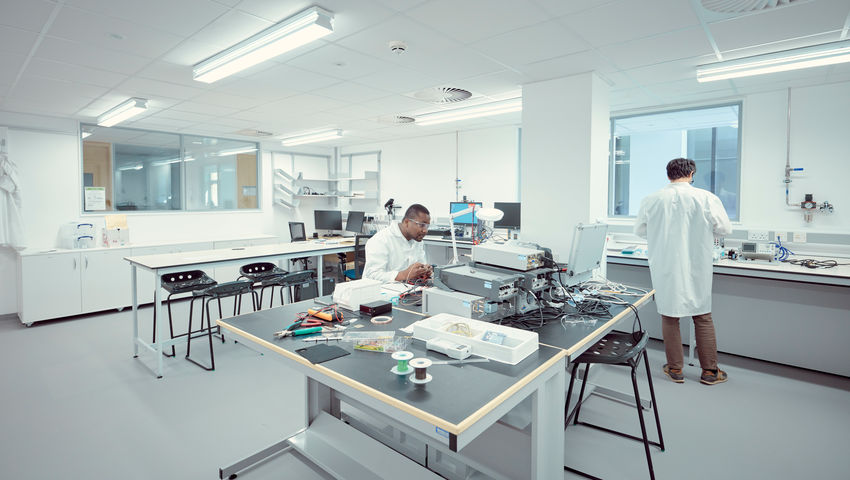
(705, 338)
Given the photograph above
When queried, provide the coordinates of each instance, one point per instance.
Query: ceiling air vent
(442, 95)
(253, 133)
(396, 119)
(746, 6)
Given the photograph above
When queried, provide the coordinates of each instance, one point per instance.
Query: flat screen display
(466, 219)
(328, 219)
(354, 222)
(511, 219)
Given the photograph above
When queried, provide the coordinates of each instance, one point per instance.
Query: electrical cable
(813, 263)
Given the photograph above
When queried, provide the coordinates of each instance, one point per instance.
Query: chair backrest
(179, 282)
(227, 289)
(297, 232)
(295, 278)
(360, 254)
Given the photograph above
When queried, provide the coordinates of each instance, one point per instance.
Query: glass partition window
(643, 144)
(128, 169)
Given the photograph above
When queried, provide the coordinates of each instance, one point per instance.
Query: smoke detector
(398, 47)
(442, 95)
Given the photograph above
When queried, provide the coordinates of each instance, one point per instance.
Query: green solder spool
(402, 368)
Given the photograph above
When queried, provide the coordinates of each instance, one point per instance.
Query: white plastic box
(516, 345)
(352, 294)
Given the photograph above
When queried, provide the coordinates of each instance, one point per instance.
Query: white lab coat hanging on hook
(11, 221)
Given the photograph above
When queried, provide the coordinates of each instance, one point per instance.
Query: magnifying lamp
(484, 215)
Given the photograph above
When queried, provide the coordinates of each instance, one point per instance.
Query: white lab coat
(388, 252)
(11, 223)
(680, 223)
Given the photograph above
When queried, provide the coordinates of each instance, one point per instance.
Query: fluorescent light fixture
(297, 30)
(84, 134)
(311, 137)
(123, 111)
(473, 111)
(235, 151)
(798, 58)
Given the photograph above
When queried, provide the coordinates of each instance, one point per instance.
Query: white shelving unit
(285, 189)
(361, 192)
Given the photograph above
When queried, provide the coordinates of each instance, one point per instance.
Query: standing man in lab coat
(680, 223)
(396, 253)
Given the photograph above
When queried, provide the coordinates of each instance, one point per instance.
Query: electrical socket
(757, 235)
(781, 236)
(799, 237)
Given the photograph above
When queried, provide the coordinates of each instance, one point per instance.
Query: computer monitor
(296, 232)
(328, 219)
(511, 219)
(466, 219)
(355, 222)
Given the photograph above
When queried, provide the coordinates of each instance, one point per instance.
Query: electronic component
(448, 347)
(758, 251)
(532, 280)
(435, 300)
(509, 256)
(376, 308)
(491, 284)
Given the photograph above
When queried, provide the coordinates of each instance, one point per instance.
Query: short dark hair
(415, 210)
(680, 168)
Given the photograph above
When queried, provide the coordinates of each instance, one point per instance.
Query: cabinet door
(50, 286)
(106, 279)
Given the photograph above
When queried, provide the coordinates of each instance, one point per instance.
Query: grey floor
(75, 404)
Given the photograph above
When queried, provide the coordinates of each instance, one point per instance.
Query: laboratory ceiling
(78, 58)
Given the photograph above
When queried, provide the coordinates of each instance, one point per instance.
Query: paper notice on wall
(95, 198)
(115, 221)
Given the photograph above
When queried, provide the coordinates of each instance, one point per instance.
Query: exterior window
(643, 144)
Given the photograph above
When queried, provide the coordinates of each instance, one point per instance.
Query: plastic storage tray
(515, 345)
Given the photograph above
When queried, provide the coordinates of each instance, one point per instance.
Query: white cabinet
(50, 286)
(105, 279)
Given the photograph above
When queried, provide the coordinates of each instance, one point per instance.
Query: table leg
(320, 398)
(135, 298)
(547, 426)
(693, 342)
(157, 304)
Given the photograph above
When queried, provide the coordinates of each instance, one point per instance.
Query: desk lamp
(484, 215)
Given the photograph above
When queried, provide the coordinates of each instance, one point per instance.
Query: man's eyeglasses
(422, 225)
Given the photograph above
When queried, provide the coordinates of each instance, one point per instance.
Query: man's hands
(414, 272)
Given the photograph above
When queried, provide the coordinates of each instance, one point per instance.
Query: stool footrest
(615, 432)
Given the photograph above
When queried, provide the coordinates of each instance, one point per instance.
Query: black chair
(617, 349)
(359, 257)
(176, 284)
(298, 234)
(217, 292)
(263, 275)
(294, 281)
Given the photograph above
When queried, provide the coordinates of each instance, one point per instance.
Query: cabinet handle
(87, 262)
(75, 263)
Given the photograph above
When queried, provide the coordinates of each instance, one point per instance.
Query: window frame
(702, 106)
(183, 201)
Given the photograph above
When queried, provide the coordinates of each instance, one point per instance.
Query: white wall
(422, 170)
(819, 139)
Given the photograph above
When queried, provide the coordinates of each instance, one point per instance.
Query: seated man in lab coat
(680, 223)
(396, 253)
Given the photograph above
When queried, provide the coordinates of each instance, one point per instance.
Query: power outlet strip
(758, 235)
(799, 237)
(781, 236)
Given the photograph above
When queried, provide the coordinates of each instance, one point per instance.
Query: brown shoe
(675, 374)
(712, 377)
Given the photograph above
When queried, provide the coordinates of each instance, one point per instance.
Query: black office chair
(263, 275)
(359, 257)
(176, 284)
(217, 292)
(617, 349)
(298, 234)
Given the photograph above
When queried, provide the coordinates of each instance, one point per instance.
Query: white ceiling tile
(144, 87)
(204, 108)
(351, 112)
(15, 40)
(90, 28)
(285, 78)
(350, 92)
(587, 61)
(40, 87)
(226, 100)
(47, 104)
(798, 20)
(26, 14)
(180, 18)
(401, 5)
(667, 71)
(626, 20)
(398, 105)
(452, 64)
(420, 40)
(230, 29)
(89, 56)
(213, 129)
(268, 90)
(11, 66)
(494, 83)
(399, 80)
(680, 88)
(73, 73)
(173, 114)
(299, 104)
(559, 8)
(171, 73)
(340, 62)
(473, 20)
(676, 45)
(531, 44)
(349, 17)
(191, 52)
